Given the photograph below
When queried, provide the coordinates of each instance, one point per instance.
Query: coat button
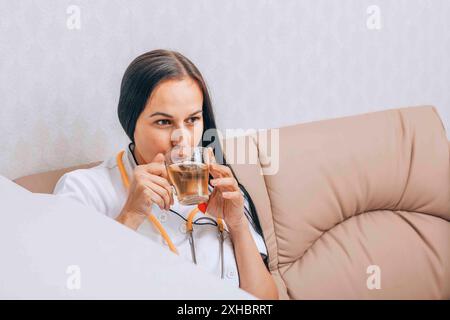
(182, 228)
(163, 217)
(231, 274)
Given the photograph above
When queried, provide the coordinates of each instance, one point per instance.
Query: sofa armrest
(45, 182)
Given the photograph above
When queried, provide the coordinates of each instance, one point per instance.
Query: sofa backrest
(358, 203)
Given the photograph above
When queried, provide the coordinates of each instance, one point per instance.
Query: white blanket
(55, 248)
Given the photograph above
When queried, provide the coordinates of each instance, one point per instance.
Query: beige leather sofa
(359, 207)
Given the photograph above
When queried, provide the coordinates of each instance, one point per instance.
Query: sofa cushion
(360, 197)
(45, 182)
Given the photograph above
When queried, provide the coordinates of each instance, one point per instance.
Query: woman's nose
(181, 137)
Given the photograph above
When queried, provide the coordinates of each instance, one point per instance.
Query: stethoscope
(189, 222)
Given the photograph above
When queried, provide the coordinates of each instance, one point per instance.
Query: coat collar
(130, 156)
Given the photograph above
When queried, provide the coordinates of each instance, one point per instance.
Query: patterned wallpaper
(267, 63)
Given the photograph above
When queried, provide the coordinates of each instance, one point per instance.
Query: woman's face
(172, 116)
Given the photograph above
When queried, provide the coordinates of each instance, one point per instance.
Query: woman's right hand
(149, 184)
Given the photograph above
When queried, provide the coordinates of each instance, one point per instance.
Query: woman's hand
(149, 185)
(226, 200)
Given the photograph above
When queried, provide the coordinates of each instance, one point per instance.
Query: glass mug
(188, 171)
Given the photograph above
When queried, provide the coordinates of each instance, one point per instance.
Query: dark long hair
(143, 75)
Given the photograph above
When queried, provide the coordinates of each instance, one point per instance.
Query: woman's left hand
(226, 200)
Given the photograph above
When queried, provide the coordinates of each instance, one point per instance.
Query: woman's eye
(193, 119)
(163, 122)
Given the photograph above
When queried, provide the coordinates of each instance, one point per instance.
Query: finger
(225, 182)
(211, 156)
(211, 162)
(163, 193)
(156, 168)
(163, 183)
(155, 198)
(214, 173)
(225, 188)
(219, 170)
(231, 195)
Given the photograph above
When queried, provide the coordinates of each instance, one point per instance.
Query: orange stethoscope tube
(152, 218)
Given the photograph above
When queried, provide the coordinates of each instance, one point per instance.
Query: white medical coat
(101, 187)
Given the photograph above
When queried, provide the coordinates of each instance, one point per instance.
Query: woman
(163, 93)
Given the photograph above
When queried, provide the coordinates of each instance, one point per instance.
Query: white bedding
(54, 248)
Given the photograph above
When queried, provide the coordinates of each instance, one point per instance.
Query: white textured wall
(267, 63)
